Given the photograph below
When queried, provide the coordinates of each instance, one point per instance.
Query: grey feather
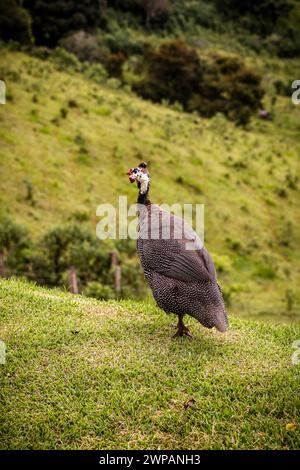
(180, 271)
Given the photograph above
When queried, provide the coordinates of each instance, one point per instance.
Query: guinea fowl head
(141, 176)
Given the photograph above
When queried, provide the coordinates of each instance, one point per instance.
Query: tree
(221, 84)
(173, 72)
(15, 22)
(53, 19)
(228, 87)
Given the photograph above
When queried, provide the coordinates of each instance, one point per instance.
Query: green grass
(74, 163)
(83, 374)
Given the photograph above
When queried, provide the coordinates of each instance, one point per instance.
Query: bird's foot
(183, 331)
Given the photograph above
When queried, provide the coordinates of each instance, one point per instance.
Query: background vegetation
(201, 90)
(223, 132)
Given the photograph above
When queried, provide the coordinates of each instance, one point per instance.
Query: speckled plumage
(179, 270)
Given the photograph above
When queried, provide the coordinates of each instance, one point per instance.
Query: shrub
(186, 16)
(48, 261)
(72, 103)
(133, 281)
(235, 245)
(265, 271)
(229, 87)
(122, 40)
(173, 72)
(95, 72)
(115, 84)
(85, 46)
(224, 84)
(65, 60)
(126, 247)
(63, 112)
(14, 247)
(41, 52)
(70, 245)
(114, 64)
(282, 88)
(80, 216)
(99, 291)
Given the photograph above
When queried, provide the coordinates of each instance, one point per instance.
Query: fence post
(117, 272)
(118, 276)
(73, 280)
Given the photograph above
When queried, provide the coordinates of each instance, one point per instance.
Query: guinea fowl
(178, 268)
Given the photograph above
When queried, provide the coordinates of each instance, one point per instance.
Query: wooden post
(2, 264)
(73, 280)
(117, 272)
(114, 259)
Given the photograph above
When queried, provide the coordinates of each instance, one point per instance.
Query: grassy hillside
(82, 374)
(68, 142)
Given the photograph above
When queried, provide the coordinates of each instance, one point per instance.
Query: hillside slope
(66, 143)
(82, 374)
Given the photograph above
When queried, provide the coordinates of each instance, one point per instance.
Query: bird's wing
(182, 256)
(174, 261)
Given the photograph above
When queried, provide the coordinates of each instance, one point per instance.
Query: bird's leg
(182, 330)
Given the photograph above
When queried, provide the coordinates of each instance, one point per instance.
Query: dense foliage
(230, 87)
(15, 22)
(256, 15)
(49, 259)
(80, 134)
(54, 19)
(86, 46)
(224, 84)
(173, 72)
(272, 25)
(103, 33)
(14, 247)
(151, 11)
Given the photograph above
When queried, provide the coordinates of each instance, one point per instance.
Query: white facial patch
(143, 179)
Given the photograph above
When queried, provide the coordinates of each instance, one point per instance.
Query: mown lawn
(83, 374)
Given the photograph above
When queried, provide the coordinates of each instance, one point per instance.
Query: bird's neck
(143, 198)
